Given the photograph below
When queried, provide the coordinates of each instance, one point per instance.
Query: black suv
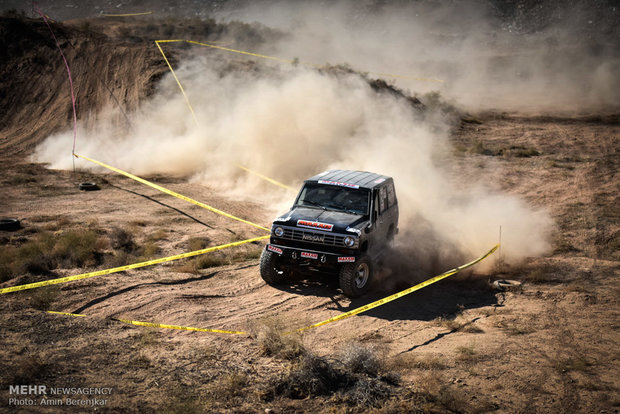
(341, 222)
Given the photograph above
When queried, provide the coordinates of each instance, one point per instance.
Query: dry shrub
(49, 251)
(312, 376)
(121, 239)
(368, 392)
(42, 298)
(230, 385)
(359, 358)
(197, 243)
(272, 341)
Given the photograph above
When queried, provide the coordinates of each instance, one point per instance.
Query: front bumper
(296, 254)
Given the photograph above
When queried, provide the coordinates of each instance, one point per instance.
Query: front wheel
(355, 277)
(269, 269)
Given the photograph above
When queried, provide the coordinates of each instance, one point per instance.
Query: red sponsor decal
(346, 259)
(274, 249)
(315, 225)
(309, 255)
(339, 184)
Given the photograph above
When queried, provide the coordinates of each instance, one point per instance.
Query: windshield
(331, 197)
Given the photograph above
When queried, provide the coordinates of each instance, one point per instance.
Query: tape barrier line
(191, 109)
(295, 61)
(189, 105)
(126, 14)
(399, 294)
(264, 177)
(242, 52)
(325, 322)
(172, 193)
(79, 315)
(155, 325)
(177, 327)
(127, 267)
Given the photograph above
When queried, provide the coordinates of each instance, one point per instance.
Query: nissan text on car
(341, 223)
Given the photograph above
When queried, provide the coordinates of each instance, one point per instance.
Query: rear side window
(391, 194)
(382, 199)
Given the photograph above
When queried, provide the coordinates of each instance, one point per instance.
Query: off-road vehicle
(341, 223)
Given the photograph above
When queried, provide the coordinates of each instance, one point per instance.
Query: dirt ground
(549, 345)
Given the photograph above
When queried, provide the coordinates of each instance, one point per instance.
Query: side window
(375, 208)
(382, 200)
(391, 194)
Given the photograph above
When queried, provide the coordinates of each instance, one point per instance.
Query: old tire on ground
(269, 269)
(9, 224)
(88, 187)
(505, 284)
(355, 278)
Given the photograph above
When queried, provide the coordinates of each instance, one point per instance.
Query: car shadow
(442, 299)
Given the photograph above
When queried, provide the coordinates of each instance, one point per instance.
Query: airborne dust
(292, 121)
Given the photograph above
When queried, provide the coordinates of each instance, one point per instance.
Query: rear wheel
(269, 269)
(355, 277)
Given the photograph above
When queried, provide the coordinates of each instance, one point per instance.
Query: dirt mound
(34, 80)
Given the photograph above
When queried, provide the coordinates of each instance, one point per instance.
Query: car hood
(323, 220)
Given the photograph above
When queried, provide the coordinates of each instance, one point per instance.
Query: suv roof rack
(349, 178)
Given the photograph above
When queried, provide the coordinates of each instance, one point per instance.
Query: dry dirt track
(458, 346)
(549, 346)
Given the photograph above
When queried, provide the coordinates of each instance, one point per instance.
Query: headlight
(278, 231)
(349, 241)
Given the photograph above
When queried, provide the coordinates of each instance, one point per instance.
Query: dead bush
(359, 358)
(42, 298)
(273, 342)
(121, 239)
(368, 392)
(312, 376)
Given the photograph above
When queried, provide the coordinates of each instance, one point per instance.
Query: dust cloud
(489, 54)
(291, 122)
(294, 123)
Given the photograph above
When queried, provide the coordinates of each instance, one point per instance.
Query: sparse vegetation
(48, 251)
(359, 358)
(43, 298)
(272, 341)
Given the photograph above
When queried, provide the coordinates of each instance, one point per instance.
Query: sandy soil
(457, 346)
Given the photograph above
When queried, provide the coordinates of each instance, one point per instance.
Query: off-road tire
(9, 224)
(355, 278)
(88, 187)
(269, 270)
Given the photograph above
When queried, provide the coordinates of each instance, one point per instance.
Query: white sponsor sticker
(309, 255)
(339, 184)
(315, 225)
(274, 249)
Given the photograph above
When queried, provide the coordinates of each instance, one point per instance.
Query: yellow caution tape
(172, 193)
(191, 109)
(242, 52)
(325, 322)
(68, 314)
(127, 267)
(127, 14)
(264, 177)
(182, 328)
(156, 325)
(399, 294)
